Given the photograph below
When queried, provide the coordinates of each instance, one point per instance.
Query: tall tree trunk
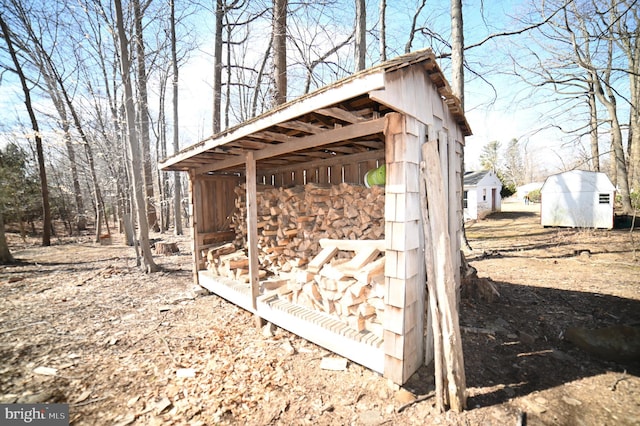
(280, 50)
(81, 220)
(457, 51)
(44, 189)
(217, 67)
(5, 253)
(361, 35)
(383, 30)
(633, 138)
(593, 128)
(161, 152)
(633, 143)
(144, 118)
(177, 187)
(134, 148)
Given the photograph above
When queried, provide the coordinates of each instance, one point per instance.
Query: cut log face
(293, 221)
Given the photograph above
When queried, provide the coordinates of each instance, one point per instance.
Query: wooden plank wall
(350, 171)
(213, 203)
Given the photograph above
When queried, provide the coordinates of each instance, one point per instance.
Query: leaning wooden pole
(431, 294)
(441, 281)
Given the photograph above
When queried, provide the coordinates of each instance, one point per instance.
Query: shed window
(464, 199)
(604, 198)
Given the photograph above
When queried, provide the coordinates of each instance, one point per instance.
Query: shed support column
(252, 234)
(194, 206)
(404, 264)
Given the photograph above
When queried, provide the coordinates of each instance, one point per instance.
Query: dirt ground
(80, 324)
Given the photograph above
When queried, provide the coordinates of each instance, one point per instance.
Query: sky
(494, 112)
(498, 110)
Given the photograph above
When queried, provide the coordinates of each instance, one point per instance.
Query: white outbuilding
(481, 194)
(577, 199)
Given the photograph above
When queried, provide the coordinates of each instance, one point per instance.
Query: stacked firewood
(350, 288)
(318, 246)
(291, 221)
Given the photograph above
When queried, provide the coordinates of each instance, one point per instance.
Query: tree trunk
(361, 35)
(5, 253)
(457, 51)
(144, 118)
(383, 30)
(217, 66)
(134, 148)
(621, 176)
(44, 189)
(177, 187)
(280, 50)
(593, 128)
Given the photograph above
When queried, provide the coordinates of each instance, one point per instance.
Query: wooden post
(443, 278)
(252, 234)
(194, 204)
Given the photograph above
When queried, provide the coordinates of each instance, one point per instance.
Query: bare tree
(625, 28)
(280, 50)
(143, 114)
(46, 209)
(361, 35)
(134, 145)
(457, 51)
(601, 78)
(413, 29)
(383, 30)
(217, 66)
(594, 141)
(177, 187)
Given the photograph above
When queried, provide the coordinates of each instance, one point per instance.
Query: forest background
(93, 94)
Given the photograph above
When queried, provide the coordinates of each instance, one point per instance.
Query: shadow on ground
(516, 346)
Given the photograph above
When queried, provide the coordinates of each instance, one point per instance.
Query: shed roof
(342, 118)
(472, 178)
(577, 181)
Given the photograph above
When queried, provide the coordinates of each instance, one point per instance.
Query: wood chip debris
(46, 371)
(333, 364)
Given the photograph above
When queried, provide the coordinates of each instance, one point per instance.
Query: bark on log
(165, 248)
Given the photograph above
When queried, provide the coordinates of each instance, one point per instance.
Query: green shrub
(534, 196)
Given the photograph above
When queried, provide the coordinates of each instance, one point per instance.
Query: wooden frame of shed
(382, 115)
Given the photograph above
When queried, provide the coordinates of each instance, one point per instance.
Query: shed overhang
(337, 120)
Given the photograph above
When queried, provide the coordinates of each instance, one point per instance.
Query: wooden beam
(252, 234)
(271, 136)
(331, 161)
(299, 144)
(302, 126)
(340, 114)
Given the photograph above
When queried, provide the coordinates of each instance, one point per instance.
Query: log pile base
(345, 280)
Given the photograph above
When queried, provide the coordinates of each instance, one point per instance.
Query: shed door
(493, 199)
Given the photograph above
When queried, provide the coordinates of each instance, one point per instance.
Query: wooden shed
(577, 199)
(327, 258)
(481, 194)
